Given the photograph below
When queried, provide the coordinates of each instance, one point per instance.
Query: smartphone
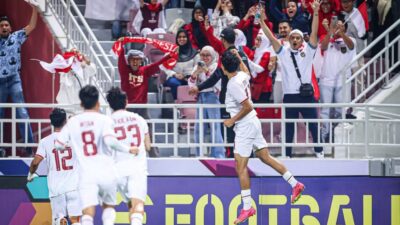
(209, 13)
(334, 20)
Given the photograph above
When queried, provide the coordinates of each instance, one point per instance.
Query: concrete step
(102, 34)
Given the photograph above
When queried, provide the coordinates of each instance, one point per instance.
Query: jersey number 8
(89, 147)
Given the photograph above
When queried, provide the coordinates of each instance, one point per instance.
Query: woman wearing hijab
(196, 29)
(261, 87)
(201, 72)
(187, 59)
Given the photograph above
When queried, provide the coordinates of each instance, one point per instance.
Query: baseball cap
(228, 34)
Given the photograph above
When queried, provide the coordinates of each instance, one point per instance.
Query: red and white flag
(63, 63)
(359, 17)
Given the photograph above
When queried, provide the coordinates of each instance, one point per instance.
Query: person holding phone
(223, 17)
(201, 72)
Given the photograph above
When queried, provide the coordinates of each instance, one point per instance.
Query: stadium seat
(182, 98)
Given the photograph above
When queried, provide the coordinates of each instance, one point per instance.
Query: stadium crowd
(279, 73)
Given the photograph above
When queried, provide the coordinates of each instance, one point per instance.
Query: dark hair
(5, 18)
(58, 117)
(116, 98)
(285, 21)
(230, 61)
(295, 1)
(89, 96)
(341, 17)
(198, 35)
(229, 35)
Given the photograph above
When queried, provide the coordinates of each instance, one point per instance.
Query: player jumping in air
(249, 135)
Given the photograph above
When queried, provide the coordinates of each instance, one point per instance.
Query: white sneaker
(320, 155)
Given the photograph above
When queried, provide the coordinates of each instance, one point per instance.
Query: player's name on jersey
(87, 123)
(124, 120)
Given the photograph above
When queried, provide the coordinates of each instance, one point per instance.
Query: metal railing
(363, 137)
(79, 35)
(378, 71)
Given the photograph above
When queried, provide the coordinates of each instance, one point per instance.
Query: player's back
(86, 132)
(131, 129)
(63, 171)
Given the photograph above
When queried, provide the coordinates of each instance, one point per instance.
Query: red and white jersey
(238, 90)
(85, 134)
(130, 128)
(62, 166)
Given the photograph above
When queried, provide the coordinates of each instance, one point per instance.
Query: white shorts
(133, 186)
(98, 188)
(67, 204)
(249, 137)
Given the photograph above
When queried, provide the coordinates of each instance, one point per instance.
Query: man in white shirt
(248, 134)
(62, 178)
(132, 130)
(339, 49)
(91, 136)
(275, 65)
(302, 54)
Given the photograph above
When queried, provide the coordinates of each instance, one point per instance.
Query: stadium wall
(206, 192)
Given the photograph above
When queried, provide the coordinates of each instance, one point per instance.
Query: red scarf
(164, 46)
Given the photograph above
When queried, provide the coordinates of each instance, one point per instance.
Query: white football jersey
(62, 166)
(85, 133)
(238, 90)
(130, 128)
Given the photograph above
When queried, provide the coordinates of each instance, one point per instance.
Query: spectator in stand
(187, 60)
(72, 82)
(338, 49)
(326, 11)
(10, 68)
(250, 24)
(174, 4)
(150, 19)
(227, 43)
(201, 72)
(357, 30)
(222, 17)
(122, 16)
(295, 16)
(261, 85)
(135, 80)
(275, 65)
(296, 62)
(240, 7)
(194, 29)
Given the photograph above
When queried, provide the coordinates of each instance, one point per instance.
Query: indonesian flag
(362, 8)
(64, 63)
(359, 17)
(164, 46)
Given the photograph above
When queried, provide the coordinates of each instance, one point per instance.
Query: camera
(201, 64)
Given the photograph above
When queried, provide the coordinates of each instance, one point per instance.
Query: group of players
(92, 156)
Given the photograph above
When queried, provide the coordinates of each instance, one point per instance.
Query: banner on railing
(216, 200)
